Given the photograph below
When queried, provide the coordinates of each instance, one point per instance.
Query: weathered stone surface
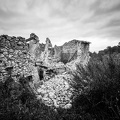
(47, 55)
(15, 53)
(58, 53)
(70, 46)
(75, 49)
(48, 44)
(57, 92)
(34, 48)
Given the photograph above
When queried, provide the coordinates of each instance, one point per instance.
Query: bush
(98, 87)
(98, 95)
(18, 103)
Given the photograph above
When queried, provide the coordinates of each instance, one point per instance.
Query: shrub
(98, 95)
(98, 87)
(18, 103)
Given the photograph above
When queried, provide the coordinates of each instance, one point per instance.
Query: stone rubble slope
(57, 91)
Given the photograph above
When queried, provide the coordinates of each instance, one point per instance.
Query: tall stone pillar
(48, 51)
(83, 51)
(33, 46)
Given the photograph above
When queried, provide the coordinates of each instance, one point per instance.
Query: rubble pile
(57, 91)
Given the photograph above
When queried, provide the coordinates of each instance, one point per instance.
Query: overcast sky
(97, 21)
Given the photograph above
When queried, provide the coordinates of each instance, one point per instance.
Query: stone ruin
(20, 57)
(57, 59)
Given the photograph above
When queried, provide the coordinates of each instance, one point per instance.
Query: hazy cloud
(113, 23)
(101, 7)
(96, 21)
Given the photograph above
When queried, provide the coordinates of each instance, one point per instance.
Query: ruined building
(46, 68)
(28, 57)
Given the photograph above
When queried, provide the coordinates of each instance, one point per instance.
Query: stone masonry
(20, 55)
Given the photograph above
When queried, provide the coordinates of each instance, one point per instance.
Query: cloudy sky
(97, 21)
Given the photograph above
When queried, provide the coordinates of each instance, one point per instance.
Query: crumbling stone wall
(34, 47)
(47, 54)
(69, 48)
(35, 52)
(58, 53)
(83, 51)
(18, 57)
(14, 57)
(72, 50)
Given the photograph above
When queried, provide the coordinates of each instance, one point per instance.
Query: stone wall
(18, 57)
(72, 50)
(69, 48)
(14, 57)
(58, 53)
